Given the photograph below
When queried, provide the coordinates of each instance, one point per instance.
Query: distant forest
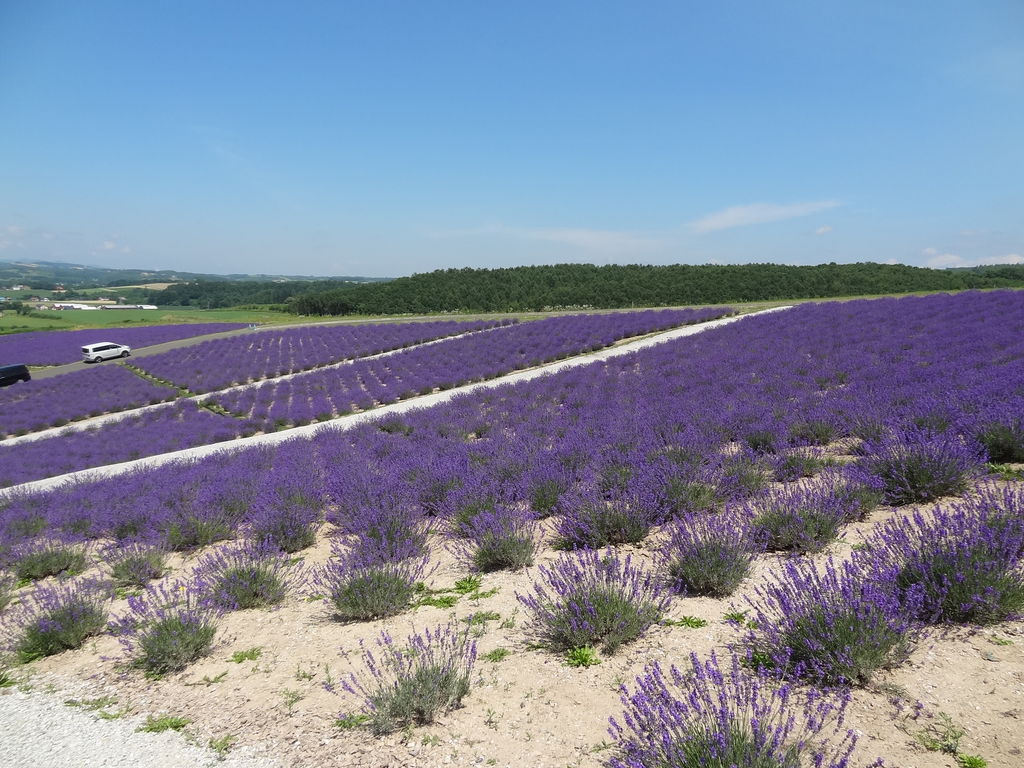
(563, 286)
(208, 294)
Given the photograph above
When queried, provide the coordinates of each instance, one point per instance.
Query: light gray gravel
(41, 731)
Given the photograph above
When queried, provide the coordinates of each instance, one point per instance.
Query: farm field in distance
(816, 513)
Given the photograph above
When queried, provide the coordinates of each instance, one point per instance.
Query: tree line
(567, 286)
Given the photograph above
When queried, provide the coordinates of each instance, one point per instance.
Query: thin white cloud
(1010, 258)
(601, 240)
(757, 213)
(823, 230)
(938, 260)
(944, 260)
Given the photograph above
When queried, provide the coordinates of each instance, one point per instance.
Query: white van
(104, 350)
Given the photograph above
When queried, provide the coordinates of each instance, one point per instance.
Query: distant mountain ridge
(73, 275)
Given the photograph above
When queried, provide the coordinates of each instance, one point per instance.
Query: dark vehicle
(9, 374)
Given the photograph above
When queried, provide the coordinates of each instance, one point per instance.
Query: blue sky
(386, 138)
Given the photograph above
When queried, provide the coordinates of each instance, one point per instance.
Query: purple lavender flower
(829, 625)
(413, 683)
(57, 618)
(361, 587)
(921, 465)
(723, 718)
(135, 564)
(246, 575)
(957, 565)
(168, 627)
(592, 597)
(708, 554)
(506, 538)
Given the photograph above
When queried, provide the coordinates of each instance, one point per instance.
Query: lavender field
(221, 363)
(808, 524)
(322, 395)
(77, 395)
(300, 400)
(59, 347)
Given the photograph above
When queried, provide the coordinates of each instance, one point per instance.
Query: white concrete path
(347, 422)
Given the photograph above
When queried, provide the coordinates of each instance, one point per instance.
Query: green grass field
(71, 319)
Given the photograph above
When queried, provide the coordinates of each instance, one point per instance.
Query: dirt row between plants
(347, 422)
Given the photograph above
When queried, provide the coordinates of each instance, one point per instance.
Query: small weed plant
(163, 723)
(584, 656)
(249, 654)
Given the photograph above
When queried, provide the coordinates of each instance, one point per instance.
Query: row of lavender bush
(831, 625)
(58, 347)
(78, 395)
(177, 426)
(221, 363)
(323, 395)
(444, 364)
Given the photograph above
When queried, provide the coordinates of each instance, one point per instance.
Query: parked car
(10, 374)
(104, 350)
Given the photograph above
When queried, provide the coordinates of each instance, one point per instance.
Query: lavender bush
(413, 683)
(49, 557)
(246, 575)
(828, 624)
(590, 597)
(716, 717)
(1003, 438)
(288, 510)
(801, 519)
(504, 539)
(958, 565)
(167, 628)
(612, 514)
(135, 564)
(920, 465)
(361, 587)
(59, 618)
(708, 554)
(7, 586)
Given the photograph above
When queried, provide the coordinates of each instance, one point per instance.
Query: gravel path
(41, 731)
